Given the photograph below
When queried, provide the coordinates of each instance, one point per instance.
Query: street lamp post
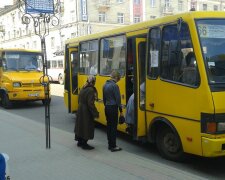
(42, 14)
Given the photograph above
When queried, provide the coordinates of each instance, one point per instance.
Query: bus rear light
(211, 127)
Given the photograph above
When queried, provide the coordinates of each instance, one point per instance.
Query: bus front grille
(31, 85)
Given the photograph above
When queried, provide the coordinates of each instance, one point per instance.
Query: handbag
(121, 119)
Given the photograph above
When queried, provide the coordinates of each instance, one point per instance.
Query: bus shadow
(209, 168)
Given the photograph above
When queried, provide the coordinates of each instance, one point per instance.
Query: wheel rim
(171, 144)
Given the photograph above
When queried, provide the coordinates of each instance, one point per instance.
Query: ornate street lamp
(41, 13)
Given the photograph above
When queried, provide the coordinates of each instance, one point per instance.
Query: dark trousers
(111, 113)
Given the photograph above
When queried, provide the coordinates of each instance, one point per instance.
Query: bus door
(71, 79)
(139, 90)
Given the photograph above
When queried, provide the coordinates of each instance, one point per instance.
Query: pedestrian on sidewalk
(2, 167)
(84, 125)
(112, 102)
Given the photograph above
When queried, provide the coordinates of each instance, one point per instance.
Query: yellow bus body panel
(179, 104)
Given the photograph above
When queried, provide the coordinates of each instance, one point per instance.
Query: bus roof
(146, 24)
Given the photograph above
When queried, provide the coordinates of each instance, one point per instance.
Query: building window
(180, 5)
(52, 42)
(72, 15)
(35, 44)
(215, 8)
(120, 18)
(137, 19)
(54, 64)
(167, 3)
(137, 1)
(153, 3)
(152, 17)
(73, 35)
(102, 17)
(204, 6)
(28, 45)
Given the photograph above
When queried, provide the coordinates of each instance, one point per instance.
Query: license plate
(34, 95)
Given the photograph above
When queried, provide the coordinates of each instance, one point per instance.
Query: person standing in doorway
(112, 102)
(84, 125)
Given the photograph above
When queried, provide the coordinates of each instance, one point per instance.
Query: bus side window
(176, 46)
(153, 56)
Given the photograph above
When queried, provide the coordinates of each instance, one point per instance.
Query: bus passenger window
(112, 55)
(153, 60)
(175, 58)
(89, 57)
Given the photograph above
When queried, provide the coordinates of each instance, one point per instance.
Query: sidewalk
(24, 141)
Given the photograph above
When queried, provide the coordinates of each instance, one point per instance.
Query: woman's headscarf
(91, 82)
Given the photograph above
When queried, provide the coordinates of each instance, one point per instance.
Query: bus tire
(60, 79)
(169, 145)
(6, 103)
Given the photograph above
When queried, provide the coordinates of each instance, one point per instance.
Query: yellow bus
(20, 73)
(181, 60)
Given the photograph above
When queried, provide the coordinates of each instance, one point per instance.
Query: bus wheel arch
(167, 139)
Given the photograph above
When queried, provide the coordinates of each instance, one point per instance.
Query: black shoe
(116, 149)
(87, 147)
(79, 144)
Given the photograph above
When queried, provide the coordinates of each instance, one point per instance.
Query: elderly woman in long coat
(84, 125)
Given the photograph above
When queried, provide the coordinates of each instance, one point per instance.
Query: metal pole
(45, 83)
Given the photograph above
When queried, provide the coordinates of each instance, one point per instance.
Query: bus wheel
(6, 103)
(60, 79)
(169, 145)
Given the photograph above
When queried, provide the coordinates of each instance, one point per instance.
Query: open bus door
(139, 91)
(71, 79)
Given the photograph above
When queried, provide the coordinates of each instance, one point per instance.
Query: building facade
(82, 17)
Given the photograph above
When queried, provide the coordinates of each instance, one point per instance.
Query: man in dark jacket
(112, 102)
(84, 125)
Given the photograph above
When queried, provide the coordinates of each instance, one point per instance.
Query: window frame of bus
(80, 58)
(149, 64)
(102, 51)
(212, 85)
(179, 39)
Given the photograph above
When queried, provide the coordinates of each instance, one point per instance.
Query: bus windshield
(212, 39)
(25, 61)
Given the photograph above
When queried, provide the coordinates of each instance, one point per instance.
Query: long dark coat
(84, 125)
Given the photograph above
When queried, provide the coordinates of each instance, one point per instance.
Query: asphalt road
(61, 119)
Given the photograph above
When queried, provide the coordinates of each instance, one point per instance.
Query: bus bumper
(213, 147)
(26, 96)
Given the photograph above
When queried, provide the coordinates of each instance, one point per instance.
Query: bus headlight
(16, 84)
(221, 126)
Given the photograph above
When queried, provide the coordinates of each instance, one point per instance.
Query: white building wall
(18, 35)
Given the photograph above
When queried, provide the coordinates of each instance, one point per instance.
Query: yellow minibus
(181, 61)
(20, 73)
